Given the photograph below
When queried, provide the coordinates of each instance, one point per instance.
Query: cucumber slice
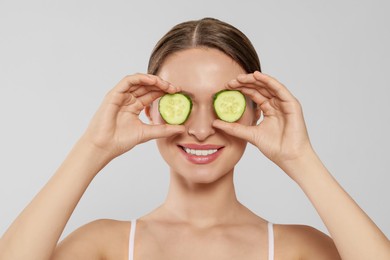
(229, 105)
(175, 108)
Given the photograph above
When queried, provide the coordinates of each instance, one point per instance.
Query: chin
(200, 175)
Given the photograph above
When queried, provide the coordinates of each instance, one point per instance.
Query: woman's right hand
(116, 127)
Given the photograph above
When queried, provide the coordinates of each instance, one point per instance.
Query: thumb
(235, 129)
(161, 131)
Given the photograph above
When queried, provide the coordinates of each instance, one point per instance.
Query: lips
(200, 154)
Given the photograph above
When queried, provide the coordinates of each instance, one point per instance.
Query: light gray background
(59, 58)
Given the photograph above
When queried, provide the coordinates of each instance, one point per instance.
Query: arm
(34, 234)
(99, 239)
(304, 242)
(283, 138)
(355, 235)
(114, 130)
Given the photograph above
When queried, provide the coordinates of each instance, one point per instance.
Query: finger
(258, 79)
(142, 90)
(235, 84)
(133, 82)
(119, 99)
(235, 129)
(268, 109)
(157, 85)
(249, 79)
(274, 86)
(165, 85)
(253, 94)
(161, 131)
(129, 82)
(136, 105)
(149, 97)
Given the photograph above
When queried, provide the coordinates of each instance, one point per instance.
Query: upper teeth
(200, 152)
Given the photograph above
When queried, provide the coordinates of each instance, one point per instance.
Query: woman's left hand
(281, 135)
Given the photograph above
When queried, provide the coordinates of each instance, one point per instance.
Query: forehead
(199, 70)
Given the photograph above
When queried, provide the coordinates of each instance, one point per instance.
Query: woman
(201, 217)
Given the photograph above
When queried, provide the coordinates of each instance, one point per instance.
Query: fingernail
(174, 87)
(232, 82)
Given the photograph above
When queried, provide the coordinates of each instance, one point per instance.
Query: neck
(202, 204)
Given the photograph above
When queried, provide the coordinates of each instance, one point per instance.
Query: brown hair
(207, 32)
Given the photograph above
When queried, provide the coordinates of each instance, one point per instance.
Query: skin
(201, 214)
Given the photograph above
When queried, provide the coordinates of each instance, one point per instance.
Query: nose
(199, 124)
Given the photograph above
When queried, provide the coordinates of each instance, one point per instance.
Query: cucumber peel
(175, 108)
(229, 105)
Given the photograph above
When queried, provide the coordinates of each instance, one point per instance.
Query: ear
(148, 113)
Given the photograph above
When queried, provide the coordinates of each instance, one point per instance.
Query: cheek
(239, 145)
(169, 153)
(160, 145)
(163, 149)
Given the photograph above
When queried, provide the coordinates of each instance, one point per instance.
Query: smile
(201, 154)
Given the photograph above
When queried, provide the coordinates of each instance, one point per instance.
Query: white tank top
(270, 240)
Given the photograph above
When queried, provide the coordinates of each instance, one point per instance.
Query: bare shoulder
(303, 242)
(99, 239)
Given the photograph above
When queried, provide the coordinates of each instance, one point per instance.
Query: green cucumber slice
(175, 108)
(229, 105)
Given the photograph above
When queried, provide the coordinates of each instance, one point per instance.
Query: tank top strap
(131, 238)
(270, 241)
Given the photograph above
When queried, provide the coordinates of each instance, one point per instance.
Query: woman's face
(201, 72)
